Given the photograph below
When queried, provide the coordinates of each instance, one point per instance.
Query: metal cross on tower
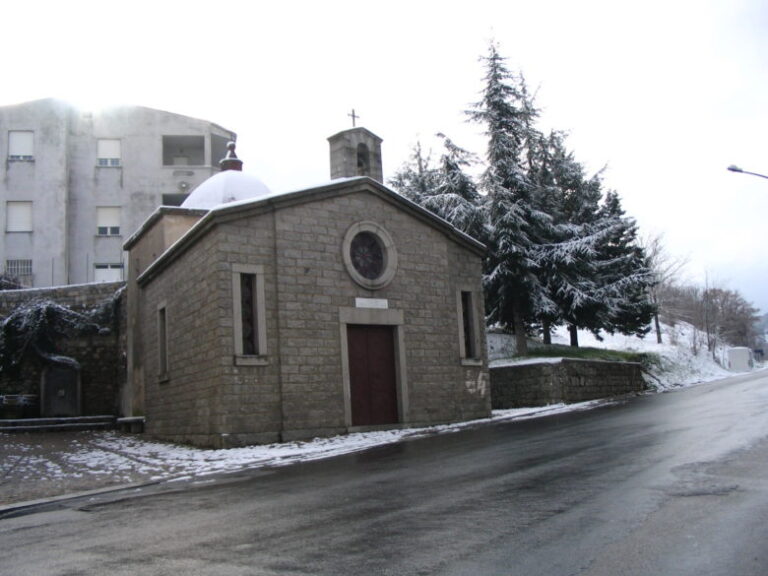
(354, 117)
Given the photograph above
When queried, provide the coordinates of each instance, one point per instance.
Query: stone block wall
(101, 356)
(566, 381)
(523, 385)
(205, 398)
(431, 270)
(78, 297)
(299, 388)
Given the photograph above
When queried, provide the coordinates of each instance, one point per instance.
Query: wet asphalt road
(669, 484)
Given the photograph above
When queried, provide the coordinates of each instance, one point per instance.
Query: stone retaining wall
(78, 297)
(564, 381)
(101, 356)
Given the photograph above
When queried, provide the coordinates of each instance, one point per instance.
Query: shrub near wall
(562, 381)
(101, 356)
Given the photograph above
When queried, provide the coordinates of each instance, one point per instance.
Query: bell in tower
(356, 152)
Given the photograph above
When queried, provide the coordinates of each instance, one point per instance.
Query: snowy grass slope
(684, 361)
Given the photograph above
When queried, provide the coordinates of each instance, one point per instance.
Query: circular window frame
(388, 248)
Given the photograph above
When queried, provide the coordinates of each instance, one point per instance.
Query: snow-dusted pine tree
(416, 179)
(594, 272)
(558, 253)
(513, 293)
(455, 197)
(624, 275)
(565, 263)
(446, 190)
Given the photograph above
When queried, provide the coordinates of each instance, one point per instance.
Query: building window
(363, 160)
(108, 153)
(21, 270)
(469, 329)
(21, 145)
(369, 255)
(249, 315)
(162, 342)
(107, 272)
(18, 217)
(108, 220)
(183, 151)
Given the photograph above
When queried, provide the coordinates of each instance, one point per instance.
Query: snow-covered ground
(91, 460)
(161, 460)
(44, 465)
(680, 366)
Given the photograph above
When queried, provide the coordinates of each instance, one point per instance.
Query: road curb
(17, 509)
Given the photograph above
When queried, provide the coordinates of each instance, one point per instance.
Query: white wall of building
(92, 178)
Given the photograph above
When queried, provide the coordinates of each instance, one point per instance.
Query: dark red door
(372, 374)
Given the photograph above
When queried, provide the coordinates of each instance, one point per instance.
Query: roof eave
(226, 212)
(159, 212)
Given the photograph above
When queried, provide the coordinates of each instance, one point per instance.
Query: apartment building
(75, 183)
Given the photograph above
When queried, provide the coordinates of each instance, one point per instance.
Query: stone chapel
(257, 317)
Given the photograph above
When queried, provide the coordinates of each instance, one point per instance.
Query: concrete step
(104, 422)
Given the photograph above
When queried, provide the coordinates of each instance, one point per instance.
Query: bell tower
(356, 152)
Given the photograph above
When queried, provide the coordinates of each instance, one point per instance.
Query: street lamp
(734, 168)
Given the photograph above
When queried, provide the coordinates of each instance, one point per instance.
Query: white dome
(225, 187)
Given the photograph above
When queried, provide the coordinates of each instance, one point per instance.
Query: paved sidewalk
(39, 465)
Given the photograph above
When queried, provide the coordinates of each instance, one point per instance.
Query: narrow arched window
(363, 160)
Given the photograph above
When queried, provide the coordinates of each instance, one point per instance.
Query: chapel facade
(258, 317)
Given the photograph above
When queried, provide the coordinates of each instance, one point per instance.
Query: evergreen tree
(416, 179)
(513, 293)
(456, 198)
(624, 274)
(594, 272)
(566, 264)
(558, 252)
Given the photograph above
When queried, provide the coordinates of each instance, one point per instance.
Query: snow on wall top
(225, 187)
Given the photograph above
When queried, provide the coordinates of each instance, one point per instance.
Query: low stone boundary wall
(78, 297)
(564, 381)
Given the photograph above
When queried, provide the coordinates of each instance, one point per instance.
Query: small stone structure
(562, 381)
(100, 356)
(256, 317)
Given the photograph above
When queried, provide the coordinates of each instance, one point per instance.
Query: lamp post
(734, 168)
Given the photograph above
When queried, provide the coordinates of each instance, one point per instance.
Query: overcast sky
(666, 94)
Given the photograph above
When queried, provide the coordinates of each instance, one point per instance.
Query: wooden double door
(372, 374)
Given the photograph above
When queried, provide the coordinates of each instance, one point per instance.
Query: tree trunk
(546, 328)
(521, 341)
(658, 327)
(573, 331)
